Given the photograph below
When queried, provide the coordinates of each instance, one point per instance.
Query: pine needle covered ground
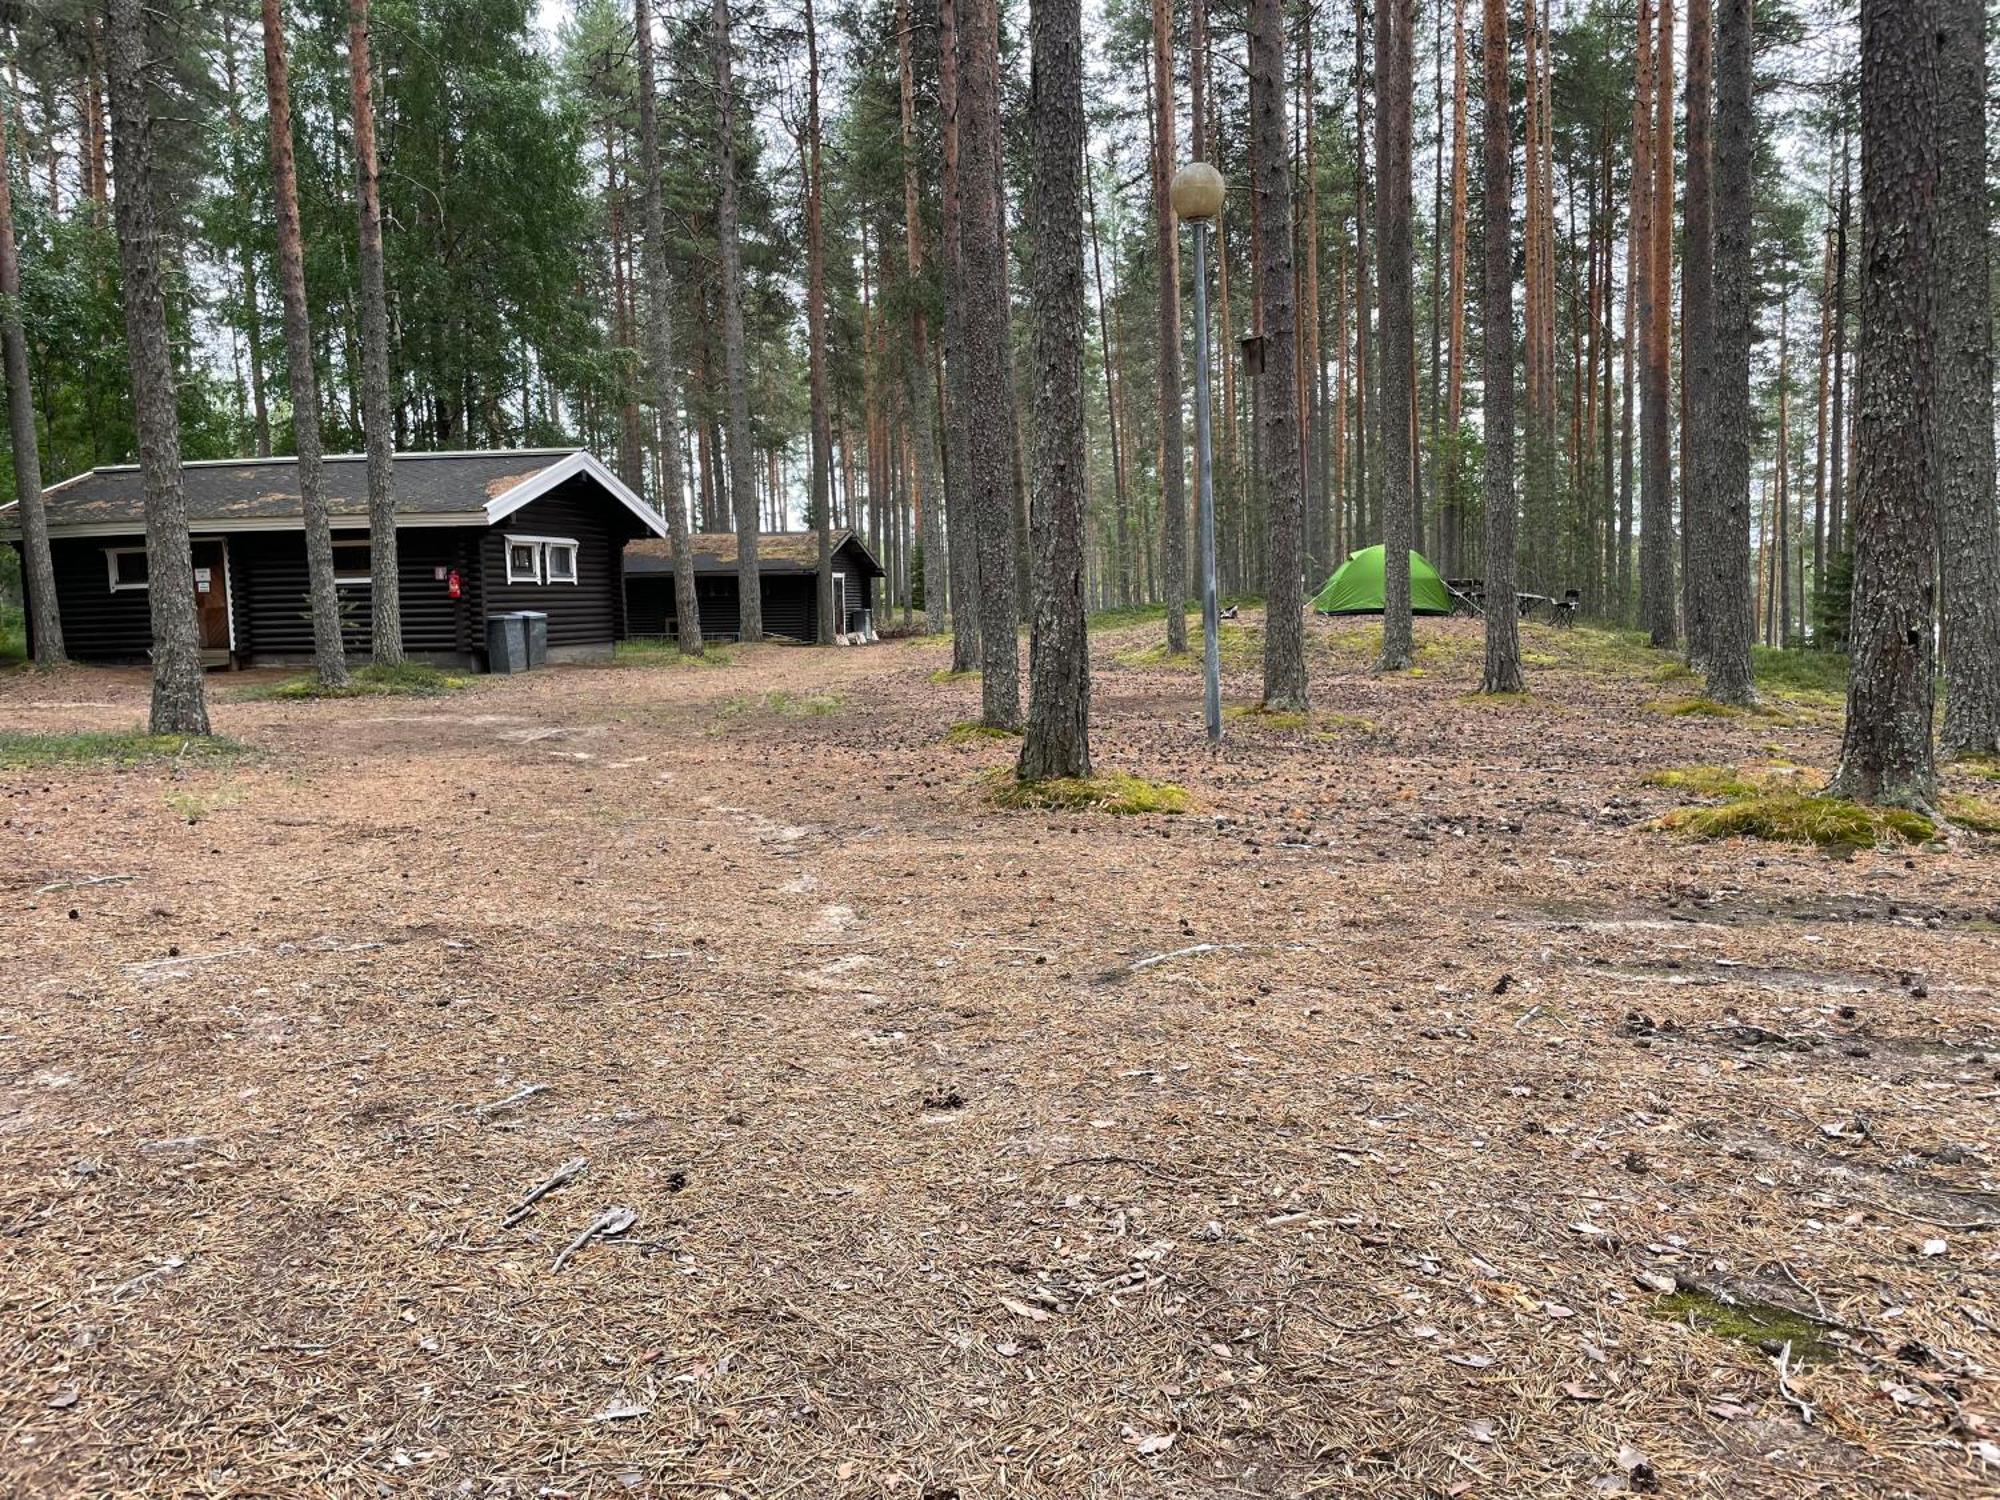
(1410, 1117)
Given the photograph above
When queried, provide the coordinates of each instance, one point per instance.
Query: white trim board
(535, 486)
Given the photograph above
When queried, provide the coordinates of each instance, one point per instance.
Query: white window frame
(111, 556)
(542, 546)
(351, 579)
(549, 550)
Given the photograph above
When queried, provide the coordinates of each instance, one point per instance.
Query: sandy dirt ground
(1400, 1121)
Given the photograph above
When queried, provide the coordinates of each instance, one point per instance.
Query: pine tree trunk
(385, 601)
(180, 703)
(1166, 253)
(735, 360)
(44, 616)
(1364, 365)
(1455, 378)
(659, 335)
(1723, 416)
(1121, 584)
(989, 399)
(1970, 538)
(822, 429)
(1657, 603)
(329, 657)
(961, 519)
(1278, 411)
(1885, 753)
(1057, 739)
(917, 358)
(1393, 87)
(1699, 468)
(1503, 629)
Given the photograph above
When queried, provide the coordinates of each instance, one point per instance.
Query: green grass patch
(1977, 814)
(1119, 617)
(13, 635)
(972, 732)
(1987, 767)
(1113, 792)
(20, 751)
(1763, 1326)
(1265, 718)
(1794, 818)
(945, 674)
(658, 652)
(786, 705)
(410, 680)
(1817, 677)
(1237, 645)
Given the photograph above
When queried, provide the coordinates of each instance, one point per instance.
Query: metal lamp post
(1196, 196)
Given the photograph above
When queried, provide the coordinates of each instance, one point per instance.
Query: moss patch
(1113, 792)
(19, 751)
(1762, 1326)
(411, 680)
(1788, 818)
(1977, 814)
(972, 732)
(947, 675)
(1265, 718)
(1706, 781)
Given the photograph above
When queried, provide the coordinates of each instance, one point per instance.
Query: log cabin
(787, 571)
(477, 534)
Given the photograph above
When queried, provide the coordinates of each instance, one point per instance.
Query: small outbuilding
(477, 534)
(787, 573)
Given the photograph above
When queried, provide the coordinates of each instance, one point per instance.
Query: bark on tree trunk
(1657, 600)
(822, 431)
(1700, 472)
(961, 518)
(1503, 629)
(989, 409)
(385, 588)
(735, 369)
(45, 618)
(1970, 542)
(180, 704)
(1394, 82)
(1166, 251)
(1723, 519)
(917, 358)
(660, 340)
(329, 656)
(1885, 753)
(1278, 410)
(1057, 739)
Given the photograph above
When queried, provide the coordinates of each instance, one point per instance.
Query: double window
(541, 559)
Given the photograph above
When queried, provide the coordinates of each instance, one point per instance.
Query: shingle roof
(264, 491)
(715, 552)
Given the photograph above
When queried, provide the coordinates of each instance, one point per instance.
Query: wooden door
(211, 592)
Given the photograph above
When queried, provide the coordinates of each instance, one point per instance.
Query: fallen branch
(614, 1220)
(525, 1092)
(77, 885)
(1783, 1361)
(1161, 958)
(563, 1175)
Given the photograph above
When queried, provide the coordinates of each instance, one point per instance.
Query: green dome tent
(1356, 587)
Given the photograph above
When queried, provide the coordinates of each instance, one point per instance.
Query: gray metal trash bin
(537, 623)
(506, 643)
